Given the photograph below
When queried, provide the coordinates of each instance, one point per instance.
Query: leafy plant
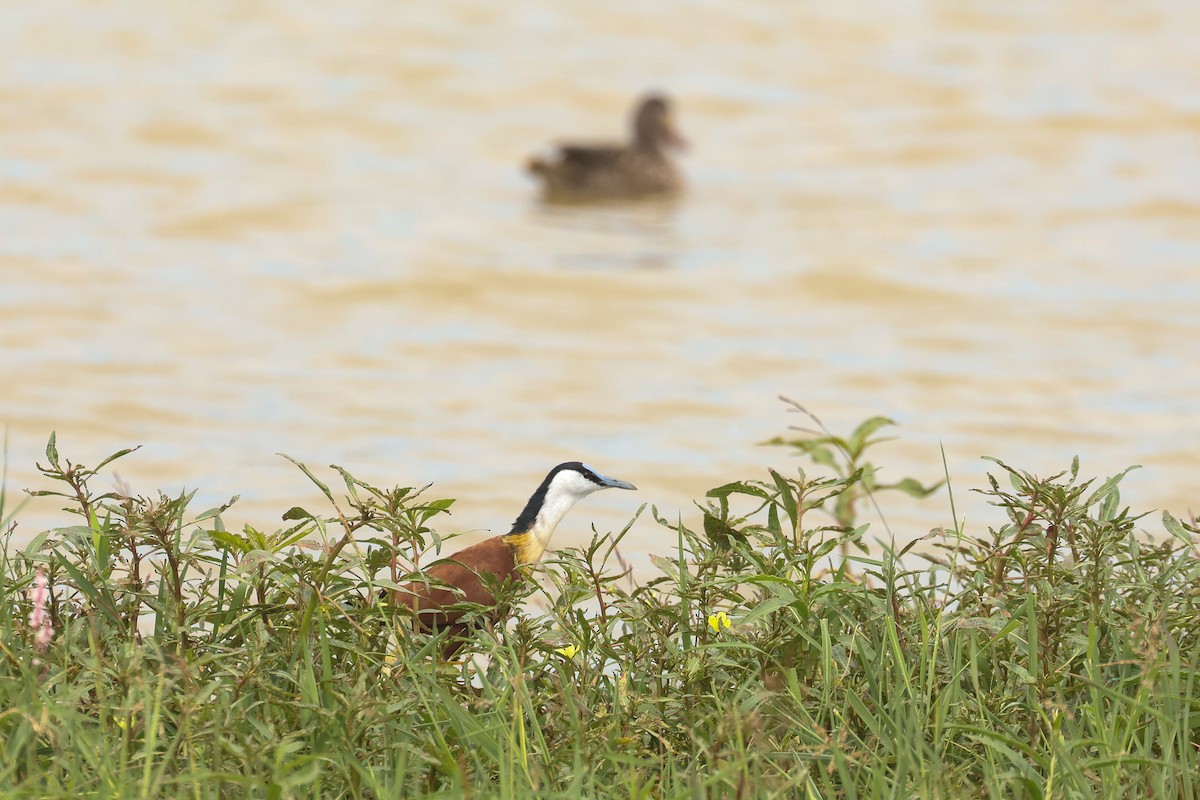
(846, 458)
(1057, 655)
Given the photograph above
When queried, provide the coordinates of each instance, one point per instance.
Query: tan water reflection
(234, 229)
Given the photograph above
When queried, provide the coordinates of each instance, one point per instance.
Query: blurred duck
(470, 575)
(640, 168)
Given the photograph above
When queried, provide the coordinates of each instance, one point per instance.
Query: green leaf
(825, 548)
(1108, 506)
(858, 440)
(52, 450)
(912, 487)
(773, 520)
(230, 541)
(213, 512)
(80, 531)
(282, 539)
(864, 713)
(1176, 528)
(296, 512)
(784, 599)
(324, 489)
(255, 558)
(255, 537)
(668, 565)
(35, 544)
(786, 497)
(1020, 673)
(738, 487)
(115, 456)
(1110, 486)
(719, 532)
(352, 483)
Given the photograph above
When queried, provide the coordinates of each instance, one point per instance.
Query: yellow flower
(719, 620)
(567, 652)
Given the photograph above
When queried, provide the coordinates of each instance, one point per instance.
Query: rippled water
(232, 229)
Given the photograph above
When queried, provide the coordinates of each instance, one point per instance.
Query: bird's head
(562, 488)
(654, 124)
(578, 479)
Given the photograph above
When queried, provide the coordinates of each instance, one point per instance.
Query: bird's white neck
(552, 513)
(531, 544)
(547, 508)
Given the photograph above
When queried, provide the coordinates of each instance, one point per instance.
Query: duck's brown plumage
(640, 168)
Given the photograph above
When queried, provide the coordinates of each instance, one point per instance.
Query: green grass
(1056, 656)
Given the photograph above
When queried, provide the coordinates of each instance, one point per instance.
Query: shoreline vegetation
(149, 652)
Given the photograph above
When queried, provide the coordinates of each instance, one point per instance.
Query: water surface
(229, 230)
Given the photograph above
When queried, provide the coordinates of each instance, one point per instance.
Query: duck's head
(653, 124)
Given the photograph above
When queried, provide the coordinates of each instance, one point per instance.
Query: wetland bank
(1055, 655)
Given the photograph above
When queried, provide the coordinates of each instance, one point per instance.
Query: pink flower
(39, 620)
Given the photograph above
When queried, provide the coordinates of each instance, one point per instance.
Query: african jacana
(500, 558)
